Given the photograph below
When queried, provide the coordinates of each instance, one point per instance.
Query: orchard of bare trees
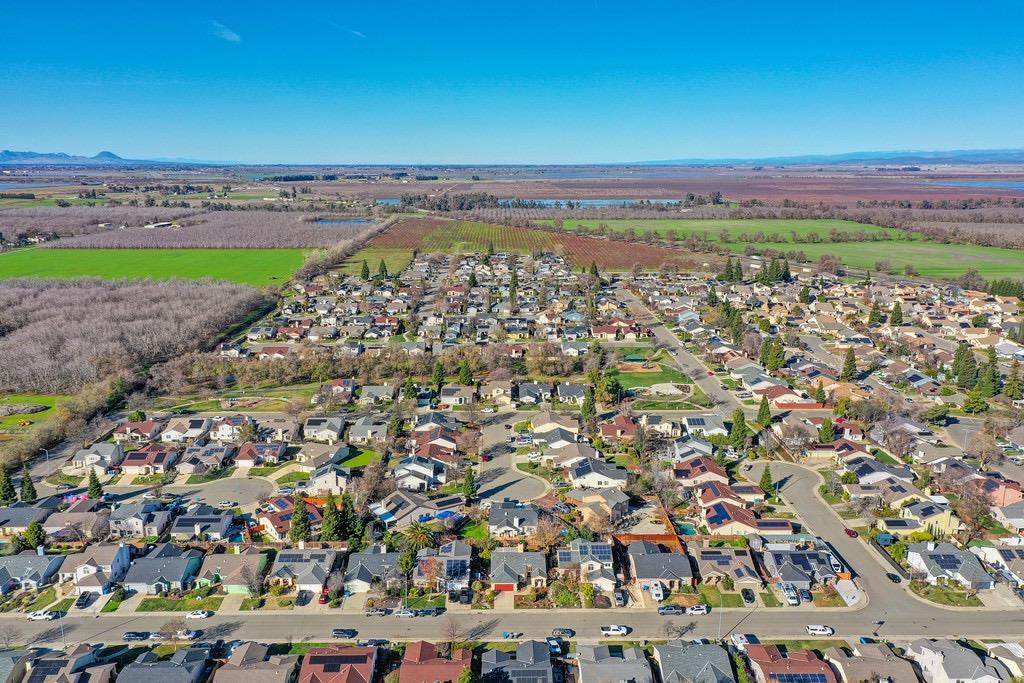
(59, 335)
(82, 220)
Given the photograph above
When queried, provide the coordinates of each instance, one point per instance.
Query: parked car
(41, 615)
(430, 612)
(561, 507)
(186, 634)
(554, 646)
(405, 613)
(667, 610)
(132, 636)
(620, 597)
(284, 490)
(614, 630)
(741, 640)
(805, 595)
(563, 632)
(748, 596)
(83, 600)
(346, 633)
(850, 532)
(323, 599)
(895, 578)
(700, 609)
(377, 612)
(199, 614)
(819, 630)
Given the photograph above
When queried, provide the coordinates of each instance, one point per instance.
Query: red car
(323, 599)
(851, 533)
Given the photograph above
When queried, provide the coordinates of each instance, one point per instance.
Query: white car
(820, 630)
(199, 614)
(42, 615)
(186, 634)
(614, 630)
(226, 503)
(487, 410)
(700, 609)
(405, 614)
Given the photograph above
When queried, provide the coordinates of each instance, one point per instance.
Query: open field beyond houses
(932, 259)
(259, 267)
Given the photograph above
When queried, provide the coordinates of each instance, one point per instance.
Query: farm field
(395, 259)
(436, 235)
(259, 267)
(932, 259)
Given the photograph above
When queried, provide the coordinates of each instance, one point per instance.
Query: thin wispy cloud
(357, 34)
(223, 32)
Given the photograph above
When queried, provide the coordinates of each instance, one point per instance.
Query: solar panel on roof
(564, 556)
(696, 421)
(798, 678)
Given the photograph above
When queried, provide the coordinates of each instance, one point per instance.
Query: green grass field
(257, 267)
(395, 259)
(11, 421)
(931, 259)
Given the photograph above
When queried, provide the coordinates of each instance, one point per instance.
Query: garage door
(504, 587)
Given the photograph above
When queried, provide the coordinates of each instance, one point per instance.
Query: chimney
(40, 550)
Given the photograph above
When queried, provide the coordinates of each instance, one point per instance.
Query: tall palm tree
(418, 536)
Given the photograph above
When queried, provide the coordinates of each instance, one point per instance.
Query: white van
(657, 591)
(819, 630)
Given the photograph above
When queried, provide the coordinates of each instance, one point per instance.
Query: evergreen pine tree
(472, 280)
(819, 394)
(28, 489)
(849, 366)
(35, 535)
(712, 296)
(1014, 389)
(438, 375)
(786, 275)
(465, 373)
(409, 389)
(469, 484)
(364, 273)
(766, 351)
(827, 431)
(330, 525)
(7, 494)
(593, 269)
(739, 432)
(382, 269)
(588, 409)
(766, 483)
(764, 413)
(967, 378)
(777, 359)
(805, 295)
(299, 530)
(875, 316)
(975, 402)
(95, 490)
(896, 315)
(353, 521)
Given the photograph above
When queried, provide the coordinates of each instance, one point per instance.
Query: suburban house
(137, 432)
(328, 478)
(422, 663)
(512, 518)
(714, 565)
(368, 429)
(802, 568)
(456, 395)
(593, 562)
(254, 453)
(417, 473)
(326, 429)
(513, 569)
(303, 569)
(946, 661)
(153, 458)
(374, 567)
(139, 520)
(601, 664)
(252, 660)
(187, 430)
(186, 665)
(97, 568)
(402, 508)
(946, 562)
(101, 455)
(597, 474)
(27, 569)
(165, 568)
(313, 456)
(445, 568)
(82, 521)
(770, 666)
(203, 522)
(681, 661)
(234, 572)
(16, 518)
(699, 469)
(648, 565)
(705, 425)
(206, 458)
(277, 523)
(599, 505)
(869, 662)
(530, 662)
(938, 518)
(338, 664)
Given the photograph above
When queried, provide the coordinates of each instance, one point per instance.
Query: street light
(47, 452)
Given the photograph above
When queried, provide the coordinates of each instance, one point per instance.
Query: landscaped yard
(818, 646)
(257, 267)
(222, 473)
(42, 600)
(362, 458)
(266, 471)
(769, 599)
(474, 531)
(179, 604)
(943, 595)
(823, 600)
(291, 478)
(67, 479)
(713, 597)
(425, 601)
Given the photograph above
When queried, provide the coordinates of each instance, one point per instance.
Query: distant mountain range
(960, 156)
(956, 156)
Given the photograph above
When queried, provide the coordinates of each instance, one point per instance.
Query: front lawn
(944, 595)
(425, 601)
(112, 604)
(713, 597)
(769, 599)
(222, 473)
(265, 471)
(823, 600)
(67, 479)
(817, 646)
(64, 605)
(292, 477)
(179, 604)
(362, 458)
(42, 600)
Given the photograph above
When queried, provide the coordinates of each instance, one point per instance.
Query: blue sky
(510, 82)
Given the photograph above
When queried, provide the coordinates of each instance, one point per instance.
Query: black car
(83, 600)
(346, 633)
(894, 578)
(465, 596)
(666, 610)
(135, 635)
(562, 632)
(805, 595)
(430, 612)
(748, 596)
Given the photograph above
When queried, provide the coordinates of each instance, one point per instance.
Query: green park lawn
(11, 421)
(258, 267)
(395, 259)
(665, 374)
